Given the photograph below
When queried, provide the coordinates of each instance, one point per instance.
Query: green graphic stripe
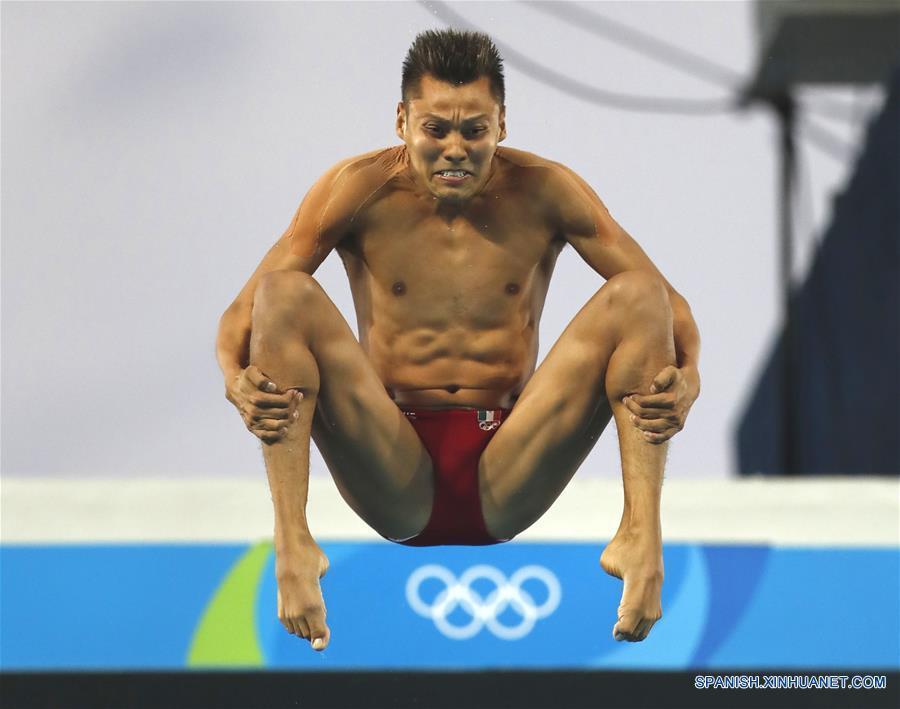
(226, 633)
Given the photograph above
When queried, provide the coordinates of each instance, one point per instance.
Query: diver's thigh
(554, 424)
(374, 454)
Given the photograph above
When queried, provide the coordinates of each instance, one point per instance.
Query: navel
(512, 288)
(399, 288)
(453, 388)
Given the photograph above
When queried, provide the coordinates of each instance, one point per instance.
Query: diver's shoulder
(536, 174)
(523, 158)
(359, 181)
(375, 164)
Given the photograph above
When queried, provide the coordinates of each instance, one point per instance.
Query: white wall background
(151, 153)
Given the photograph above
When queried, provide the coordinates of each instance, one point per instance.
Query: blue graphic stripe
(136, 607)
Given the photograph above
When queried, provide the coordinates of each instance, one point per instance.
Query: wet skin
(448, 278)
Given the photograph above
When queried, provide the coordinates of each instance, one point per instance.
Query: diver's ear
(401, 121)
(502, 124)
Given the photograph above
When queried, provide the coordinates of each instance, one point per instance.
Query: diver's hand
(265, 408)
(662, 413)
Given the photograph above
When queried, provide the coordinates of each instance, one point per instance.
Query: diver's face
(451, 128)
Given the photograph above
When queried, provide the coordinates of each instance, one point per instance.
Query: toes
(320, 642)
(627, 628)
(620, 633)
(643, 630)
(302, 628)
(319, 632)
(289, 625)
(296, 626)
(633, 631)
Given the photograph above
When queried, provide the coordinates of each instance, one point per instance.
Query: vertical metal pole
(785, 108)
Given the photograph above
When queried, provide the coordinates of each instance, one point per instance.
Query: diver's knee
(284, 297)
(632, 290)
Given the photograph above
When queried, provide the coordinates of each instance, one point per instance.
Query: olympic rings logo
(484, 611)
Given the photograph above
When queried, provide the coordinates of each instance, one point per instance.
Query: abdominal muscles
(453, 366)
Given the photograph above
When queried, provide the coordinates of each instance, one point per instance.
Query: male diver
(435, 424)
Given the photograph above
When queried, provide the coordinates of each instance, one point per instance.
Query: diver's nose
(455, 149)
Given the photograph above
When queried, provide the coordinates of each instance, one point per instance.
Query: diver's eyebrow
(447, 120)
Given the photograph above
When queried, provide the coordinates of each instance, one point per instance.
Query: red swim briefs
(455, 440)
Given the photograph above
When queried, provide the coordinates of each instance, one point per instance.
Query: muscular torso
(448, 303)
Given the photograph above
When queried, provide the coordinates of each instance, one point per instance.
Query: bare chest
(501, 247)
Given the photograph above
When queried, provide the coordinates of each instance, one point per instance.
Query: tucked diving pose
(436, 424)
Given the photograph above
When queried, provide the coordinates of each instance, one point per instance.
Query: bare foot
(301, 607)
(637, 560)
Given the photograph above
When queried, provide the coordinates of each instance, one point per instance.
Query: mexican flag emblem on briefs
(486, 420)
